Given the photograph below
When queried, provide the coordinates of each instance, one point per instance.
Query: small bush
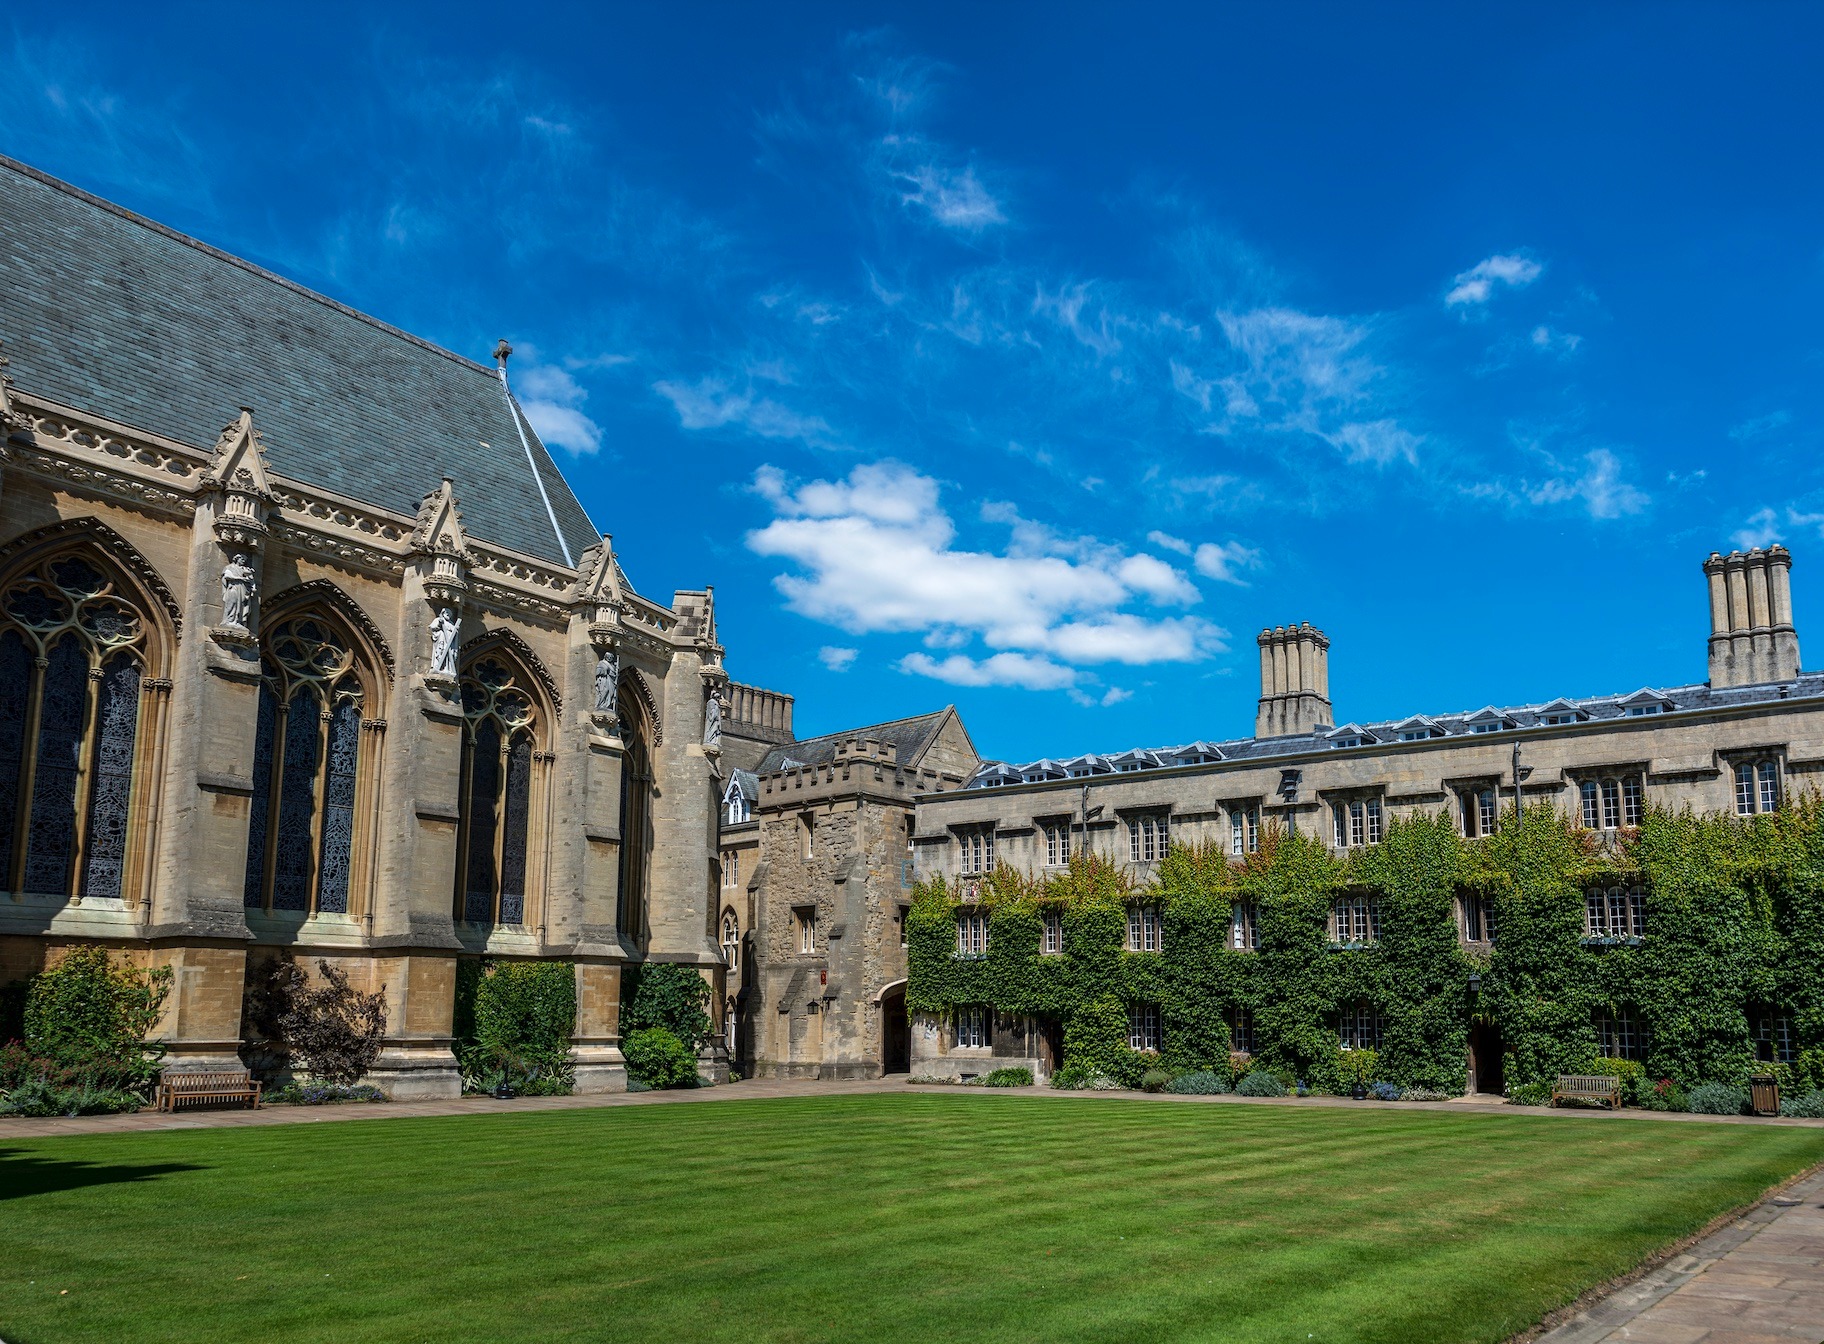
(1070, 1077)
(1260, 1083)
(514, 1020)
(1155, 1080)
(1807, 1107)
(659, 1059)
(670, 996)
(1665, 1095)
(1530, 1094)
(1203, 1083)
(1008, 1078)
(1716, 1099)
(1422, 1094)
(1385, 1091)
(322, 1094)
(88, 1015)
(930, 1078)
(1101, 1082)
(330, 1031)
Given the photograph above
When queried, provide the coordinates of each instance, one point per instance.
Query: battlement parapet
(871, 767)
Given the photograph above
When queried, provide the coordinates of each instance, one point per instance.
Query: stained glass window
(69, 729)
(306, 763)
(498, 760)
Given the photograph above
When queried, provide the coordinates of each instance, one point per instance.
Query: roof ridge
(850, 732)
(210, 250)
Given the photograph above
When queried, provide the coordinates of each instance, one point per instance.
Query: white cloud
(552, 401)
(1560, 343)
(1762, 529)
(955, 198)
(1003, 669)
(836, 659)
(877, 552)
(1221, 562)
(1600, 488)
(1114, 695)
(1166, 541)
(1381, 442)
(711, 404)
(1477, 284)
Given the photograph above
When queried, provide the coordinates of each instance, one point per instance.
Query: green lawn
(923, 1217)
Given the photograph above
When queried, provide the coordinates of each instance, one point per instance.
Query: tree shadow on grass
(26, 1173)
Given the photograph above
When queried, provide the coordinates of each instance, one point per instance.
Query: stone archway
(895, 1031)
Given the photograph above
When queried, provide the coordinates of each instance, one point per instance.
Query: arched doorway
(895, 1031)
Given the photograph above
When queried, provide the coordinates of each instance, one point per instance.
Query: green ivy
(1735, 926)
(670, 997)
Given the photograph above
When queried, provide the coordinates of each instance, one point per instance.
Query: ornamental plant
(657, 1058)
(672, 997)
(514, 1020)
(330, 1031)
(90, 1019)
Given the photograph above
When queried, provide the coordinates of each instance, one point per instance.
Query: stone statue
(443, 643)
(607, 682)
(237, 593)
(712, 721)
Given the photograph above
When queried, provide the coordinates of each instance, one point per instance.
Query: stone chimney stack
(1751, 635)
(1294, 681)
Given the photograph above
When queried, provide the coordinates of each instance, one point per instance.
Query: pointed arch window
(636, 816)
(306, 770)
(499, 750)
(72, 650)
(731, 938)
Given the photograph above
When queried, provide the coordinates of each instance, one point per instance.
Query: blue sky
(1034, 357)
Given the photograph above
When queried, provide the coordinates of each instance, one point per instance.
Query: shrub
(1385, 1091)
(929, 1078)
(1203, 1083)
(514, 1020)
(1101, 1082)
(1260, 1083)
(672, 997)
(1155, 1080)
(1008, 1078)
(322, 1094)
(1529, 1094)
(1070, 1077)
(659, 1059)
(1716, 1099)
(88, 1015)
(1665, 1095)
(1808, 1107)
(331, 1030)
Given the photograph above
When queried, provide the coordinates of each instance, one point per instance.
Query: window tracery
(72, 651)
(500, 723)
(306, 760)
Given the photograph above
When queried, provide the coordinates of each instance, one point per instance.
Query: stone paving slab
(756, 1088)
(1758, 1280)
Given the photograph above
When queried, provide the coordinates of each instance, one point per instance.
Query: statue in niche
(607, 682)
(712, 721)
(237, 593)
(443, 643)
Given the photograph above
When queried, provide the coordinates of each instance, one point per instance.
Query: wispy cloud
(1477, 285)
(710, 403)
(837, 659)
(1598, 488)
(1766, 526)
(1554, 342)
(1760, 426)
(553, 401)
(954, 198)
(1224, 562)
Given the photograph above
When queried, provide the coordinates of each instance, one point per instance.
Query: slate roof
(911, 737)
(106, 312)
(1670, 700)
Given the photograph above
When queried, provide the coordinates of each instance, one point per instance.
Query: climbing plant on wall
(1733, 933)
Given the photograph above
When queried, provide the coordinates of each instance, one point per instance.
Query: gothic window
(731, 939)
(499, 721)
(306, 757)
(72, 650)
(635, 814)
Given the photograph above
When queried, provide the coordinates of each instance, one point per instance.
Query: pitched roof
(106, 312)
(910, 736)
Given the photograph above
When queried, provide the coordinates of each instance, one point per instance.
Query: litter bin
(1764, 1094)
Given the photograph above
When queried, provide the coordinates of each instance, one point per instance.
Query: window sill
(1354, 946)
(1611, 940)
(968, 956)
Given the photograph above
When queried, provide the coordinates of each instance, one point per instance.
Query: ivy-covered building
(1317, 890)
(354, 679)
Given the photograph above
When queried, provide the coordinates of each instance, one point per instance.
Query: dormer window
(1492, 726)
(1641, 711)
(1414, 735)
(1556, 720)
(1349, 741)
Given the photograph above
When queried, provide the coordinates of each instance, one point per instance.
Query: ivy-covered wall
(1734, 931)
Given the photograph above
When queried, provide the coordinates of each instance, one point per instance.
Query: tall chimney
(1294, 681)
(1752, 640)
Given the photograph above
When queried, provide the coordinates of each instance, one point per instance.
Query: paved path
(1760, 1280)
(758, 1088)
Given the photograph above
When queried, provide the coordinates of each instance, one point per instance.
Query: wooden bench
(1588, 1087)
(199, 1088)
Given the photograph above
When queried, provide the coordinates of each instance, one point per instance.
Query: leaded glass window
(497, 762)
(306, 767)
(71, 663)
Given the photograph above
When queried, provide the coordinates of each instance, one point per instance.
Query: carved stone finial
(439, 535)
(237, 469)
(501, 352)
